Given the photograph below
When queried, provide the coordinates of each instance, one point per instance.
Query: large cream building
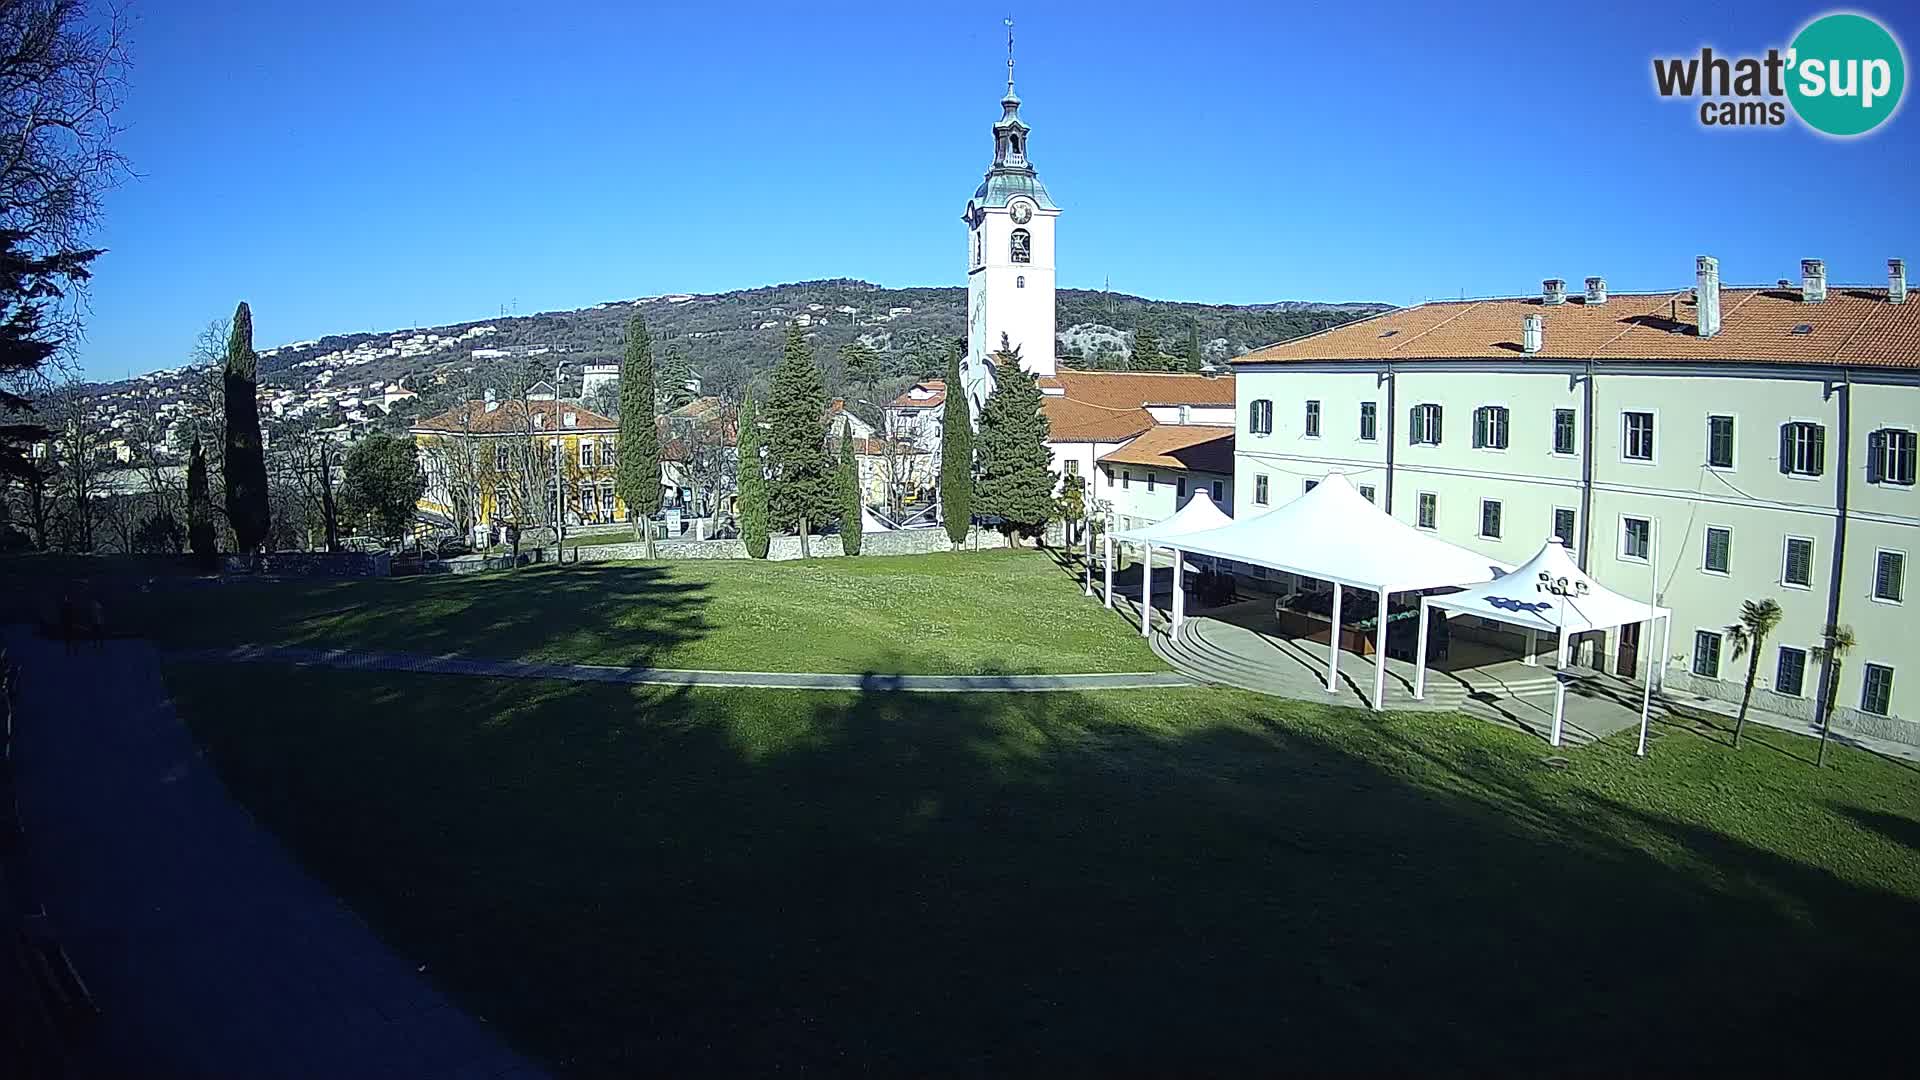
(1734, 443)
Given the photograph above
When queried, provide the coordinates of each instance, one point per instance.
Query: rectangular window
(586, 500)
(1260, 489)
(1490, 519)
(1790, 673)
(1073, 466)
(499, 459)
(1803, 449)
(1109, 473)
(1126, 478)
(1636, 538)
(1876, 689)
(1796, 567)
(1219, 490)
(1367, 492)
(606, 498)
(1720, 442)
(1890, 576)
(1706, 654)
(1719, 549)
(1637, 436)
(1890, 454)
(1152, 479)
(586, 454)
(1260, 417)
(1563, 431)
(1369, 422)
(1424, 425)
(607, 458)
(1179, 487)
(1490, 427)
(1563, 521)
(1313, 420)
(1426, 510)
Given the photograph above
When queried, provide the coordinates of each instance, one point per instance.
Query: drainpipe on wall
(1392, 411)
(1841, 471)
(1586, 464)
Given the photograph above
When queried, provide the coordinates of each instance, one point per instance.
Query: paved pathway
(778, 680)
(209, 950)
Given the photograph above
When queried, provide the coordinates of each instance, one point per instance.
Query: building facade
(1714, 445)
(494, 463)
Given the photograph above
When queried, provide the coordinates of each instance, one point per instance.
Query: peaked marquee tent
(1550, 594)
(1199, 515)
(1335, 534)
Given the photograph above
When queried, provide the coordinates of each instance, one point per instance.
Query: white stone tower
(1010, 223)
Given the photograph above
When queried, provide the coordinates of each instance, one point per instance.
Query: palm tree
(1839, 643)
(1757, 620)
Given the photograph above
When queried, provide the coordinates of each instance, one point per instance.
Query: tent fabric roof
(1334, 534)
(1518, 599)
(1199, 515)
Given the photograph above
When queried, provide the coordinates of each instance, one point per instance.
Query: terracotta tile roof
(698, 407)
(1070, 420)
(877, 447)
(933, 400)
(1757, 325)
(1179, 446)
(1134, 389)
(508, 419)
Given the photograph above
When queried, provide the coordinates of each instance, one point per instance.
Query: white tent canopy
(1334, 534)
(1198, 515)
(1549, 593)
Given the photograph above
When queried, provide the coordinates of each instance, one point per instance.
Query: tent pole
(1380, 652)
(1146, 594)
(1179, 590)
(1559, 685)
(1666, 647)
(1333, 644)
(1086, 523)
(1646, 700)
(1106, 543)
(1533, 643)
(1420, 656)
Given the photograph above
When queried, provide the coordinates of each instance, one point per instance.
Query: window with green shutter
(1803, 448)
(1876, 689)
(1790, 674)
(1720, 442)
(1889, 576)
(1797, 568)
(1563, 434)
(1890, 457)
(1719, 549)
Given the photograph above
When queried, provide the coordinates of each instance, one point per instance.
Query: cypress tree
(800, 492)
(752, 483)
(1146, 351)
(637, 477)
(199, 506)
(956, 456)
(246, 459)
(851, 504)
(1196, 354)
(1015, 483)
(674, 375)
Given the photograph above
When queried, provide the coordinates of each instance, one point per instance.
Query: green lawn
(1172, 881)
(965, 613)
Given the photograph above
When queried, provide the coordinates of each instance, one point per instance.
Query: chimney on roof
(1896, 281)
(1706, 295)
(1553, 291)
(1813, 280)
(1532, 332)
(1596, 290)
(492, 404)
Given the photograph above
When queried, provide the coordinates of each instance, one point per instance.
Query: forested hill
(732, 339)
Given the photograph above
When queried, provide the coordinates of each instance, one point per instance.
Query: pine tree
(675, 374)
(956, 456)
(1015, 483)
(637, 476)
(752, 494)
(199, 506)
(800, 490)
(851, 504)
(1146, 351)
(246, 460)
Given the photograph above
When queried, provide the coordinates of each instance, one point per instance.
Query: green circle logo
(1846, 74)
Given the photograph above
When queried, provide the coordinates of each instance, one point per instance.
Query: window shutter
(1876, 457)
(1415, 431)
(1819, 450)
(1480, 428)
(1786, 448)
(1436, 425)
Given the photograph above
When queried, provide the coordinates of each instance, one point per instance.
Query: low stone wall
(317, 564)
(782, 548)
(1845, 718)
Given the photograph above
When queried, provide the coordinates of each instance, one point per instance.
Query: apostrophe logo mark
(1848, 74)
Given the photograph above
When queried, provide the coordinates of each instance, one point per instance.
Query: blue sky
(354, 166)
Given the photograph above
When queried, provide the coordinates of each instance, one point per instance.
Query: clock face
(1022, 212)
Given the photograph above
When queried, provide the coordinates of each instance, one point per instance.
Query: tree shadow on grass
(1163, 881)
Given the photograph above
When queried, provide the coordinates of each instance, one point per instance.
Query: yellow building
(492, 462)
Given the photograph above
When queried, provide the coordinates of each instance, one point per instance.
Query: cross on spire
(1009, 56)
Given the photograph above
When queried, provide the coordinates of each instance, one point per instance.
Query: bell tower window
(1022, 246)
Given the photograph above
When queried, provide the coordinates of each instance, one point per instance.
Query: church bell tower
(1010, 222)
